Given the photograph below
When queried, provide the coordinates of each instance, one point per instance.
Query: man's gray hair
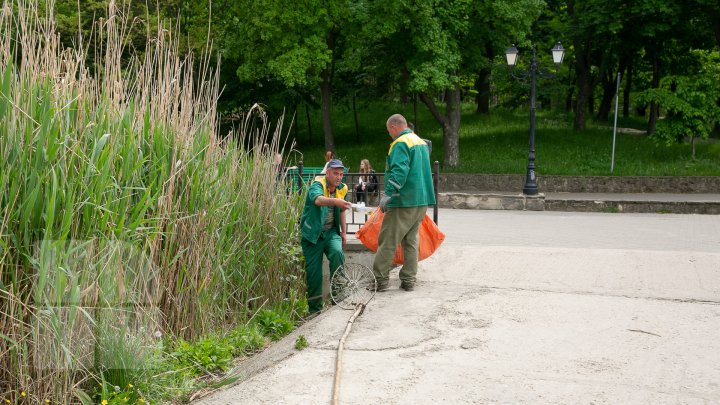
(397, 120)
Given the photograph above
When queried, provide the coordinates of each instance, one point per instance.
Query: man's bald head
(396, 124)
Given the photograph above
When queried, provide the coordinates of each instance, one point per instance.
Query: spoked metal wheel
(352, 284)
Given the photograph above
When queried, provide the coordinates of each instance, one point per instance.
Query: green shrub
(274, 324)
(246, 339)
(207, 355)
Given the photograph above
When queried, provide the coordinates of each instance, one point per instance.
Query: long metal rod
(338, 361)
(617, 101)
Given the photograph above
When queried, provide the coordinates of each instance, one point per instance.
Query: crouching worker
(323, 228)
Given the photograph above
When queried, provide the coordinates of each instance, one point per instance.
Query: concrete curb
(513, 183)
(600, 202)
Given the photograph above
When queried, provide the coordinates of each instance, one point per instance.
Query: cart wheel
(352, 284)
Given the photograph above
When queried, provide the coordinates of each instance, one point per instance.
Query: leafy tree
(295, 43)
(430, 45)
(691, 101)
(494, 26)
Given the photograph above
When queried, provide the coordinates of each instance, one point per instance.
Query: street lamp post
(511, 54)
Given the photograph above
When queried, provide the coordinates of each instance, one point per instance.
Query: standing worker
(323, 228)
(408, 192)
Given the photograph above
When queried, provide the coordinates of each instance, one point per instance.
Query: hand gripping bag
(430, 237)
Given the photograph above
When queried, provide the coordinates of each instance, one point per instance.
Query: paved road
(524, 307)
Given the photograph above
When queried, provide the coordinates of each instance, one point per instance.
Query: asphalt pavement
(522, 307)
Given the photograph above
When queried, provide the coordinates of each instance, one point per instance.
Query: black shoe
(382, 286)
(407, 286)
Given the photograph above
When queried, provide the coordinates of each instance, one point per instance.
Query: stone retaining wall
(461, 182)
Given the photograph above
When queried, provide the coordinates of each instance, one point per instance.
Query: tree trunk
(326, 106)
(309, 124)
(654, 108)
(295, 122)
(450, 124)
(608, 85)
(482, 85)
(416, 127)
(355, 117)
(569, 99)
(715, 18)
(451, 131)
(626, 91)
(582, 74)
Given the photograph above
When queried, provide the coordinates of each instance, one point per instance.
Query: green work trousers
(330, 244)
(400, 226)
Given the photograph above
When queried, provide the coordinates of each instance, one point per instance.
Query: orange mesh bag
(430, 237)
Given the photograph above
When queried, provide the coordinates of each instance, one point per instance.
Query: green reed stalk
(122, 211)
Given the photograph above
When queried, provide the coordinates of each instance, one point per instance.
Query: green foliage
(436, 43)
(274, 324)
(272, 40)
(208, 354)
(301, 343)
(246, 339)
(692, 102)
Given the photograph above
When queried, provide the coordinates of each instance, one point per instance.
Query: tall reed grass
(124, 215)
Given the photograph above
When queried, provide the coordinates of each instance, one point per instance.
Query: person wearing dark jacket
(367, 183)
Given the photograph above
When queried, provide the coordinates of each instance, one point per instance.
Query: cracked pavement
(522, 307)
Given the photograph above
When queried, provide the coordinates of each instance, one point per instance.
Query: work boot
(407, 286)
(382, 286)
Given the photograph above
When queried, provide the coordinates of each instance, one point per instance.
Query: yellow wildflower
(142, 401)
(104, 402)
(47, 401)
(130, 385)
(22, 394)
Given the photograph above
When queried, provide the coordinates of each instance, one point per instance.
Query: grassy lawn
(498, 143)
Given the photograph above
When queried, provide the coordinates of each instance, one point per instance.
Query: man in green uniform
(323, 229)
(408, 192)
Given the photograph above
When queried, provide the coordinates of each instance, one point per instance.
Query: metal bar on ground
(617, 97)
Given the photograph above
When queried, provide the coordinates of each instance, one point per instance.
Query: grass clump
(301, 343)
(205, 356)
(274, 324)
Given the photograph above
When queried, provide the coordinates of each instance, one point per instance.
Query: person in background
(427, 141)
(323, 228)
(328, 157)
(367, 183)
(278, 165)
(408, 192)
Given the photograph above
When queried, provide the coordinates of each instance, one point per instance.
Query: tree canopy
(313, 53)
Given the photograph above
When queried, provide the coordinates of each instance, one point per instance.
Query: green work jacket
(313, 216)
(408, 178)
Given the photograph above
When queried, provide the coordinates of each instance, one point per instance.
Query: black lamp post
(511, 54)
